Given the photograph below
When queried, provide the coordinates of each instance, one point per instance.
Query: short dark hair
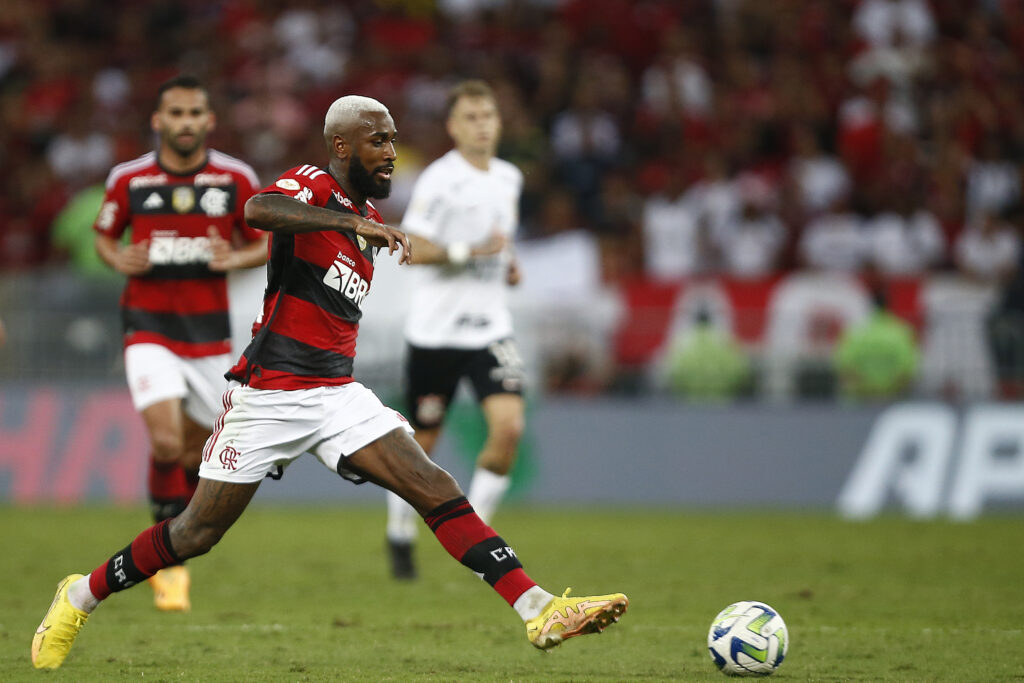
(473, 87)
(186, 81)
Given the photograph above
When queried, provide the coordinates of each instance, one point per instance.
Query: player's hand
(133, 259)
(494, 244)
(514, 274)
(380, 235)
(222, 256)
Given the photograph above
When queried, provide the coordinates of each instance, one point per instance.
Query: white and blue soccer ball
(748, 638)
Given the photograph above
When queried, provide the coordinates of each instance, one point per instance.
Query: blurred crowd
(691, 136)
(738, 138)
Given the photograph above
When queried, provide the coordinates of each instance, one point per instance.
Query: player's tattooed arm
(282, 214)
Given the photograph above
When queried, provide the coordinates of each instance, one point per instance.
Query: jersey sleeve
(426, 208)
(308, 184)
(115, 211)
(245, 189)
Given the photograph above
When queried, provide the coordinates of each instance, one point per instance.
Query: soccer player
(460, 222)
(293, 392)
(184, 206)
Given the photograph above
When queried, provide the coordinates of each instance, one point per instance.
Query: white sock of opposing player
(486, 491)
(532, 602)
(403, 520)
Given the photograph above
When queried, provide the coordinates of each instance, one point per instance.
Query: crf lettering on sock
(150, 552)
(466, 538)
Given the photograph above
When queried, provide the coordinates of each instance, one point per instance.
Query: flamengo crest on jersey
(454, 201)
(179, 303)
(317, 282)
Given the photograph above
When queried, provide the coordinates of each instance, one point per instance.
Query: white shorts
(155, 373)
(261, 429)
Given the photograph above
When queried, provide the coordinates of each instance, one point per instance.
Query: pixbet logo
(933, 461)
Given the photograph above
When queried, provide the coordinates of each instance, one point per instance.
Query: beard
(365, 183)
(185, 148)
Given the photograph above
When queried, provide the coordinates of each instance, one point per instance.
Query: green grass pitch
(301, 594)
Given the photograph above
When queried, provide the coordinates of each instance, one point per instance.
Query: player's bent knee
(167, 447)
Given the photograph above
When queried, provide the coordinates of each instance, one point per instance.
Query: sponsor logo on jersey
(167, 248)
(305, 196)
(290, 184)
(153, 201)
(342, 256)
(108, 212)
(147, 180)
(214, 202)
(214, 179)
(343, 200)
(347, 281)
(183, 199)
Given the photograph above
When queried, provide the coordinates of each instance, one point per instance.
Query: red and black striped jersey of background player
(316, 282)
(179, 303)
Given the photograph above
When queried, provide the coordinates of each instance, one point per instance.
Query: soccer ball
(748, 638)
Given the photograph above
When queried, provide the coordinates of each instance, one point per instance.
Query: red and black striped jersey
(316, 283)
(179, 303)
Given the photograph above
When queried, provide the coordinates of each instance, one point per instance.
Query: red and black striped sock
(168, 489)
(466, 538)
(149, 553)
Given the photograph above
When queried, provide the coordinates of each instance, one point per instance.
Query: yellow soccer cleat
(170, 589)
(567, 617)
(60, 627)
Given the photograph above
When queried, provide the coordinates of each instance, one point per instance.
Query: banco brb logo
(933, 461)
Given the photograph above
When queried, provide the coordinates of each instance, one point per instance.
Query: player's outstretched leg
(59, 628)
(397, 463)
(566, 617)
(214, 508)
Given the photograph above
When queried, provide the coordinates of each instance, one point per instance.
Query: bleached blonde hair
(346, 109)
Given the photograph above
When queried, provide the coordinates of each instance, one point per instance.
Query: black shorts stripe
(284, 354)
(200, 328)
(186, 271)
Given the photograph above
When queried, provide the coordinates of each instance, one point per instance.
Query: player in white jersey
(461, 220)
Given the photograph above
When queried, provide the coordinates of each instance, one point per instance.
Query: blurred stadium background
(777, 238)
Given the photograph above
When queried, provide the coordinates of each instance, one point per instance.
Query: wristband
(458, 253)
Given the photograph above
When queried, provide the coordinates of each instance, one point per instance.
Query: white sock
(81, 597)
(532, 602)
(486, 491)
(402, 520)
